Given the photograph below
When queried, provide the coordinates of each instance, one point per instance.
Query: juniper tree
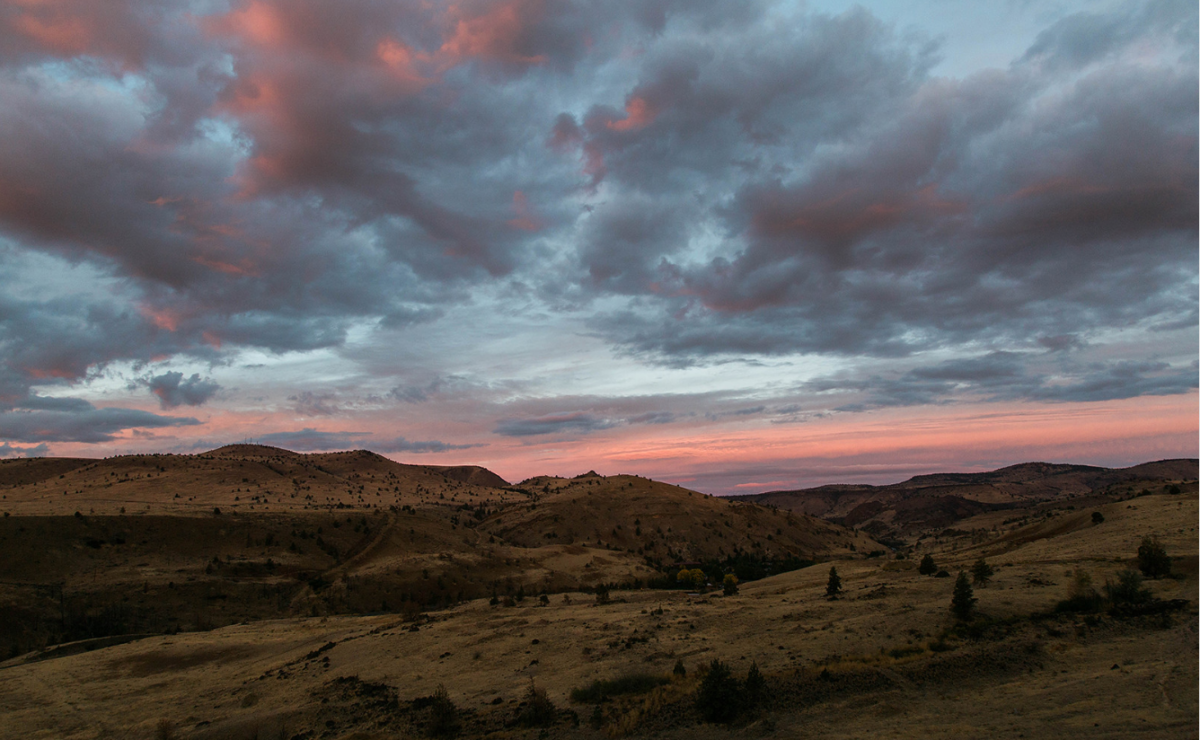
(981, 572)
(834, 586)
(927, 567)
(719, 697)
(1153, 560)
(963, 602)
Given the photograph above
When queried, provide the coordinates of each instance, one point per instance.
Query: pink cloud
(524, 220)
(638, 115)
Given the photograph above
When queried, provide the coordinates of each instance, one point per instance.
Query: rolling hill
(931, 502)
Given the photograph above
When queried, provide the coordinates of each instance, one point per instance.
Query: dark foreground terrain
(393, 610)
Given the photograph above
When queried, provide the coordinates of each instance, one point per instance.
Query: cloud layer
(642, 200)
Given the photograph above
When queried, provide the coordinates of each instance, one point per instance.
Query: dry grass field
(885, 659)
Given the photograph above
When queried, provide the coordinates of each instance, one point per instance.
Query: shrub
(963, 601)
(1081, 596)
(165, 730)
(539, 711)
(1128, 590)
(630, 683)
(834, 586)
(1097, 517)
(927, 567)
(1153, 560)
(443, 715)
(981, 572)
(719, 697)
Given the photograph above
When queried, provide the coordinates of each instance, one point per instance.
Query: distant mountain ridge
(940, 499)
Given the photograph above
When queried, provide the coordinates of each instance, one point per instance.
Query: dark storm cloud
(41, 419)
(173, 389)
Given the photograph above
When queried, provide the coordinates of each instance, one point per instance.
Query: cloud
(400, 444)
(577, 422)
(313, 404)
(174, 390)
(42, 419)
(709, 182)
(1005, 376)
(10, 451)
(933, 218)
(310, 440)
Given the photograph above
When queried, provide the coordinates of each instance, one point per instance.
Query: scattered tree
(756, 687)
(981, 572)
(1153, 560)
(1097, 517)
(730, 584)
(963, 602)
(927, 567)
(719, 697)
(1081, 595)
(695, 578)
(680, 670)
(834, 586)
(1128, 590)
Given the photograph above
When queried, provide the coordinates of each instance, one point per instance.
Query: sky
(738, 246)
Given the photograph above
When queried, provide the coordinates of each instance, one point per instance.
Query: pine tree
(927, 567)
(834, 586)
(964, 599)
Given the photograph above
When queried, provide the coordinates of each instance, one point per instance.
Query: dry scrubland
(883, 660)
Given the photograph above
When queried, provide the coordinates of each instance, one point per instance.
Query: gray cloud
(1006, 377)
(400, 444)
(67, 420)
(174, 390)
(7, 450)
(315, 404)
(310, 440)
(569, 422)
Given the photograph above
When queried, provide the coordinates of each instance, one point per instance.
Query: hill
(886, 658)
(165, 542)
(240, 478)
(927, 503)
